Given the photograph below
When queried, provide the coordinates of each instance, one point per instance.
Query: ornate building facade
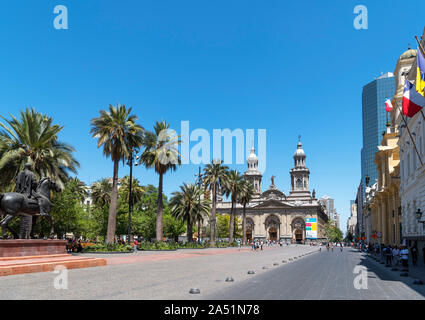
(412, 164)
(273, 215)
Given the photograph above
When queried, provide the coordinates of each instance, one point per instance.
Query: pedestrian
(239, 244)
(320, 247)
(388, 255)
(135, 243)
(396, 255)
(404, 256)
(414, 252)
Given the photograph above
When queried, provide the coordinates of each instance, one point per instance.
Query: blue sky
(288, 67)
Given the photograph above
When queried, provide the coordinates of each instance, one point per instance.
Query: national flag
(388, 105)
(420, 73)
(413, 102)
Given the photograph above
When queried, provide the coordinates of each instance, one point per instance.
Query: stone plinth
(31, 247)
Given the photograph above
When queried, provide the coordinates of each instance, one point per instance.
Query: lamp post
(130, 195)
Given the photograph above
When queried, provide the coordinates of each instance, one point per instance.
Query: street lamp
(130, 195)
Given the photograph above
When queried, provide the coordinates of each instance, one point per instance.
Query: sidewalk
(415, 272)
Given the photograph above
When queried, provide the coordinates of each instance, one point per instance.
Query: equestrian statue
(31, 199)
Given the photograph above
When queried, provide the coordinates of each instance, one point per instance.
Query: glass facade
(374, 121)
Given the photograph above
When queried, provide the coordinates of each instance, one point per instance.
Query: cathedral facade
(271, 215)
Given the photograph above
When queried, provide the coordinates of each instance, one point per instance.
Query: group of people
(332, 245)
(258, 244)
(394, 255)
(72, 245)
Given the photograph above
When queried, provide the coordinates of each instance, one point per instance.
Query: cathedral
(272, 215)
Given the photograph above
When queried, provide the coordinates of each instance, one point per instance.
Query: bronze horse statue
(16, 204)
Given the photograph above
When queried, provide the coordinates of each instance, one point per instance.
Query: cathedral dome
(252, 155)
(299, 152)
(411, 53)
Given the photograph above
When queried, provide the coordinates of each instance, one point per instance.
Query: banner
(311, 228)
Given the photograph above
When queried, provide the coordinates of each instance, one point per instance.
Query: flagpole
(410, 134)
(423, 51)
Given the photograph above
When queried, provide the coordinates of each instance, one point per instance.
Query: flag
(420, 73)
(388, 105)
(413, 102)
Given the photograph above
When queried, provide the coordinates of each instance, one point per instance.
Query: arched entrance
(272, 233)
(298, 227)
(248, 235)
(298, 236)
(249, 229)
(272, 225)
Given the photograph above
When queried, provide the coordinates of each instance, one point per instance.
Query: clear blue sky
(288, 67)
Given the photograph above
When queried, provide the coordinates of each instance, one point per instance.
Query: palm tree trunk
(199, 230)
(244, 225)
(160, 210)
(112, 219)
(231, 225)
(189, 230)
(213, 217)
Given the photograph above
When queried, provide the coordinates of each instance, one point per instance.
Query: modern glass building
(374, 121)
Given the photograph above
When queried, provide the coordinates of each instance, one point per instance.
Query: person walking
(388, 255)
(396, 255)
(404, 256)
(135, 243)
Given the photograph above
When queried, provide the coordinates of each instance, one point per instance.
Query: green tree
(161, 153)
(245, 197)
(136, 188)
(223, 226)
(333, 233)
(187, 204)
(120, 135)
(34, 138)
(233, 189)
(215, 177)
(101, 193)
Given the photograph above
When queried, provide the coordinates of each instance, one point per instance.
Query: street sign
(379, 235)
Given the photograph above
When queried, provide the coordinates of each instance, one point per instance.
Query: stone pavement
(326, 275)
(153, 275)
(170, 275)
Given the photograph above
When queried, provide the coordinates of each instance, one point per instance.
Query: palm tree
(137, 190)
(101, 192)
(187, 205)
(161, 153)
(78, 189)
(233, 188)
(245, 197)
(34, 138)
(215, 178)
(120, 135)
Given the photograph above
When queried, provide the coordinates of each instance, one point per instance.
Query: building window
(393, 213)
(399, 211)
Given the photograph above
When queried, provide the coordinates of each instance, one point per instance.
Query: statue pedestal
(31, 247)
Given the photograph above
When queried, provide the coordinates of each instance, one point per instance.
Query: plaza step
(20, 265)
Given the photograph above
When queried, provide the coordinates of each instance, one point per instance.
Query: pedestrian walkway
(415, 272)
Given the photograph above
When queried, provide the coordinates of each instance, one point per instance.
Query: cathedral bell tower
(300, 176)
(253, 175)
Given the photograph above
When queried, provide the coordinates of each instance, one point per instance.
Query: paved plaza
(171, 274)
